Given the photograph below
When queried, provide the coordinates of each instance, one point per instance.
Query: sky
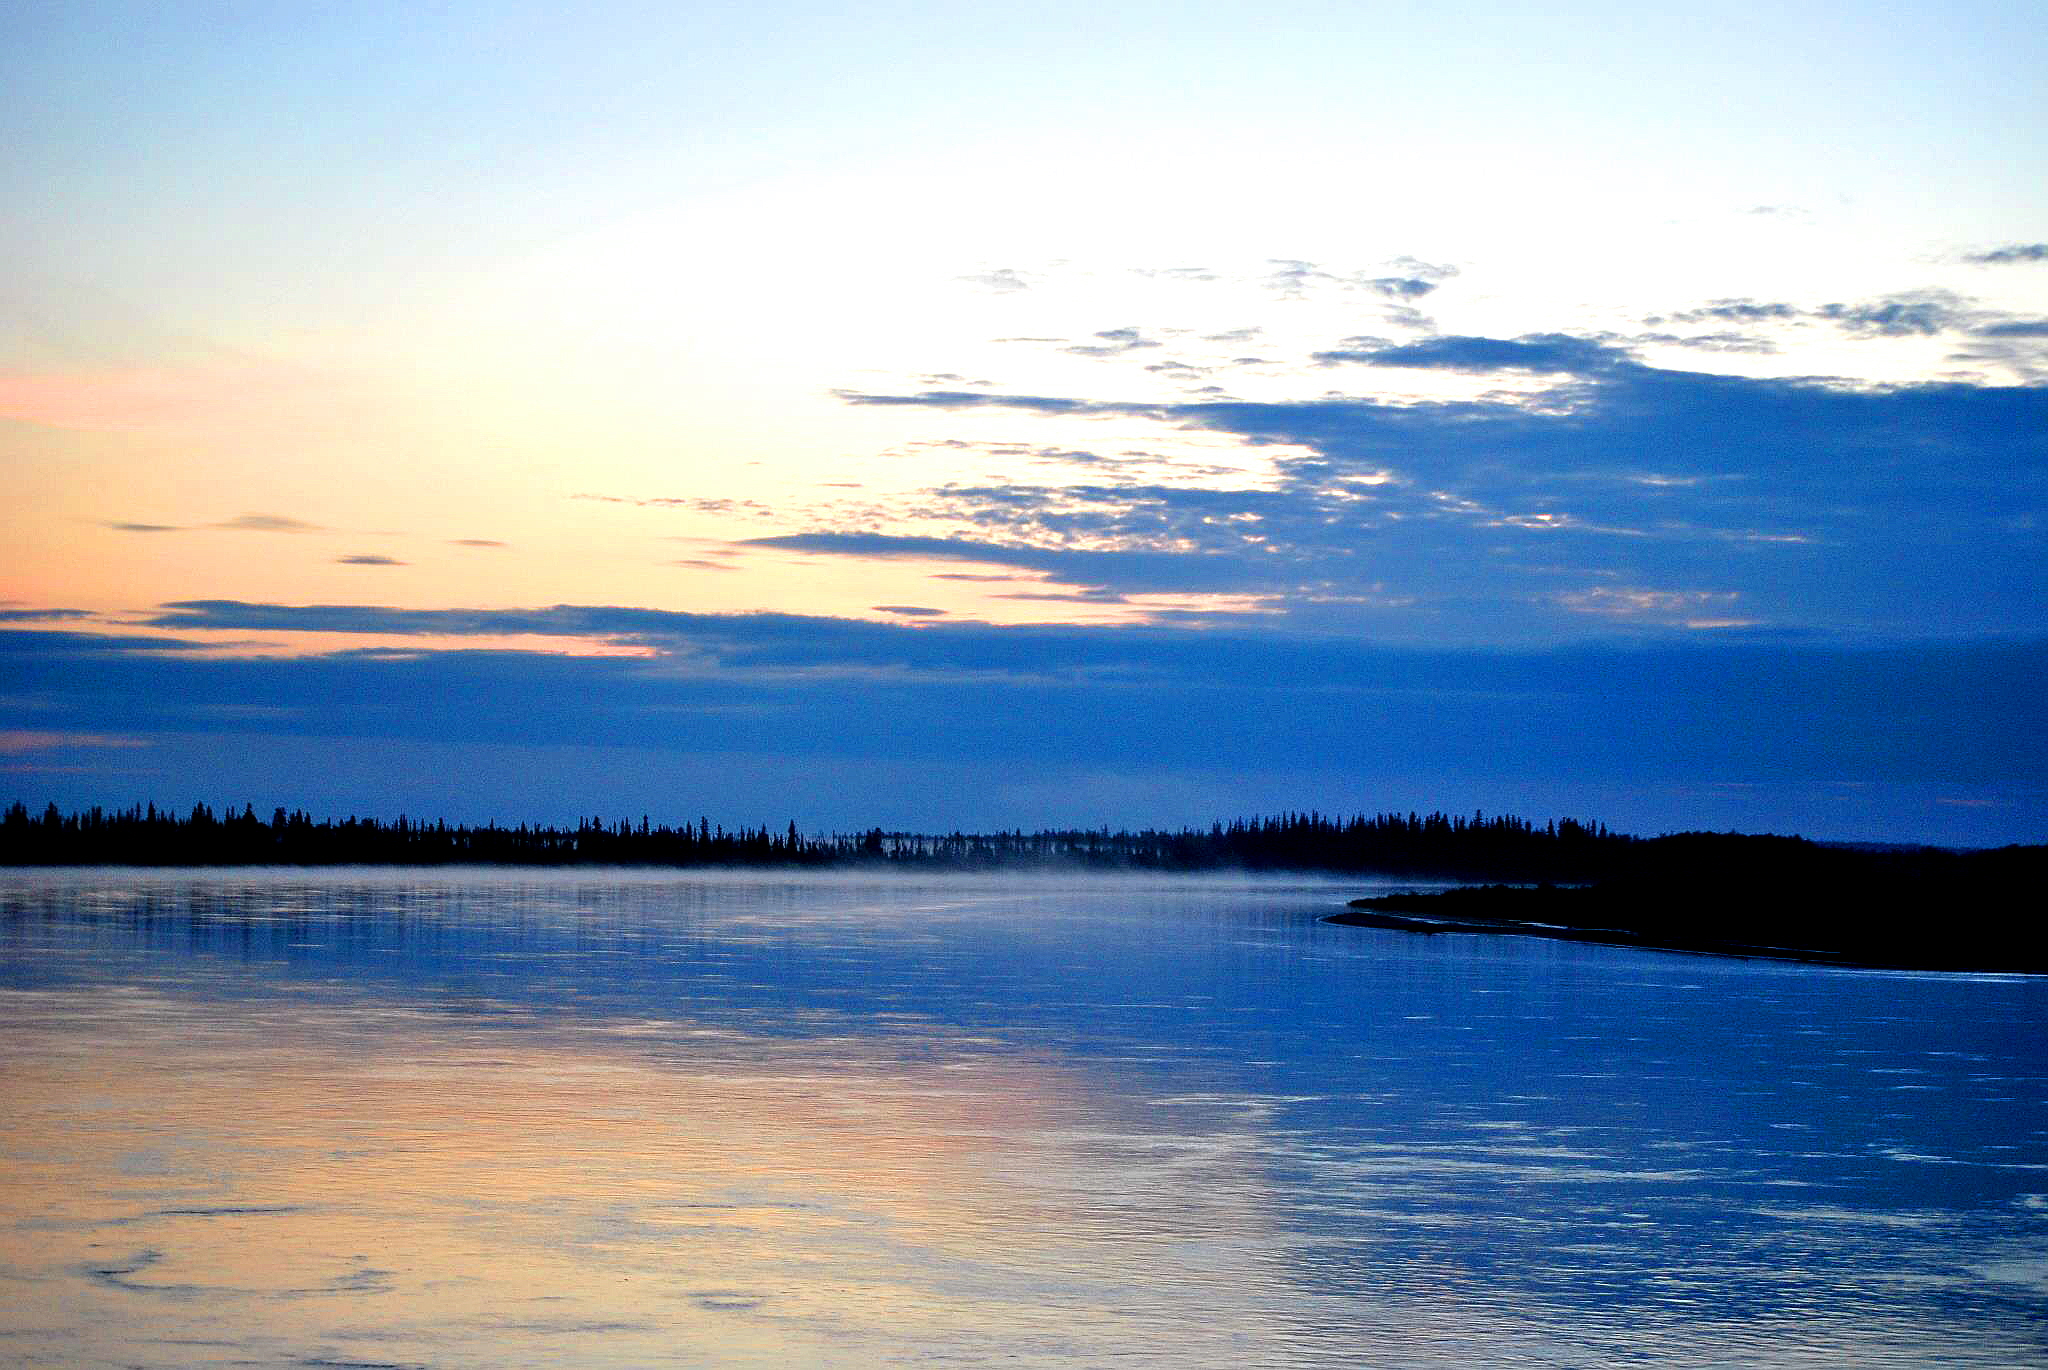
(974, 416)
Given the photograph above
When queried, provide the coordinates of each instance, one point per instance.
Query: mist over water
(476, 1118)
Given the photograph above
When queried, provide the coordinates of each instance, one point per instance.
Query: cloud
(28, 644)
(1534, 352)
(44, 615)
(1921, 315)
(2010, 255)
(1114, 342)
(267, 523)
(365, 619)
(985, 701)
(1435, 272)
(1825, 506)
(1068, 597)
(1737, 311)
(1910, 314)
(368, 559)
(249, 523)
(2016, 328)
(21, 741)
(910, 610)
(1726, 340)
(1136, 569)
(1400, 287)
(1691, 608)
(1405, 278)
(1290, 279)
(1001, 280)
(1414, 320)
(968, 399)
(475, 542)
(694, 503)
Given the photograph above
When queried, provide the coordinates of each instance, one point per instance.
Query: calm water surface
(482, 1119)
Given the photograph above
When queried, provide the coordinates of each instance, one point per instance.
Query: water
(485, 1118)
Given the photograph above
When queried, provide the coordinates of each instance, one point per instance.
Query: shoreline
(1396, 913)
(1608, 937)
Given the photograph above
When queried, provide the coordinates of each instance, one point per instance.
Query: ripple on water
(474, 1119)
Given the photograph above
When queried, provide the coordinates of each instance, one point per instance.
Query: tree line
(1496, 847)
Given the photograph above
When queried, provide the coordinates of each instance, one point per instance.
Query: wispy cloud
(1550, 353)
(2013, 254)
(1724, 340)
(1112, 342)
(368, 559)
(45, 615)
(1736, 311)
(1922, 314)
(699, 504)
(253, 523)
(1687, 608)
(1403, 280)
(1400, 287)
(1135, 569)
(267, 523)
(1906, 314)
(21, 741)
(1002, 280)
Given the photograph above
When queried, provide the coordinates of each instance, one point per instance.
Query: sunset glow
(1214, 334)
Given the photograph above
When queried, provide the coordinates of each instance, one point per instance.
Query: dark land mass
(1897, 908)
(1724, 893)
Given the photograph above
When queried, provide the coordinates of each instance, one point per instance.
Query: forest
(1500, 847)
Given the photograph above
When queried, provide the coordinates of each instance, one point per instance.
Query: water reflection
(420, 1197)
(457, 1120)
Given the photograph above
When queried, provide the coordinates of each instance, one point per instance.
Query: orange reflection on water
(355, 1183)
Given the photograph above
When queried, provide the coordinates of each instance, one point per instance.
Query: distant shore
(1562, 915)
(1502, 847)
(1723, 894)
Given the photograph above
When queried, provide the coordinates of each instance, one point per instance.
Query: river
(487, 1117)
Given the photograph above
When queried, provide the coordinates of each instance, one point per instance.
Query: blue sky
(965, 416)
